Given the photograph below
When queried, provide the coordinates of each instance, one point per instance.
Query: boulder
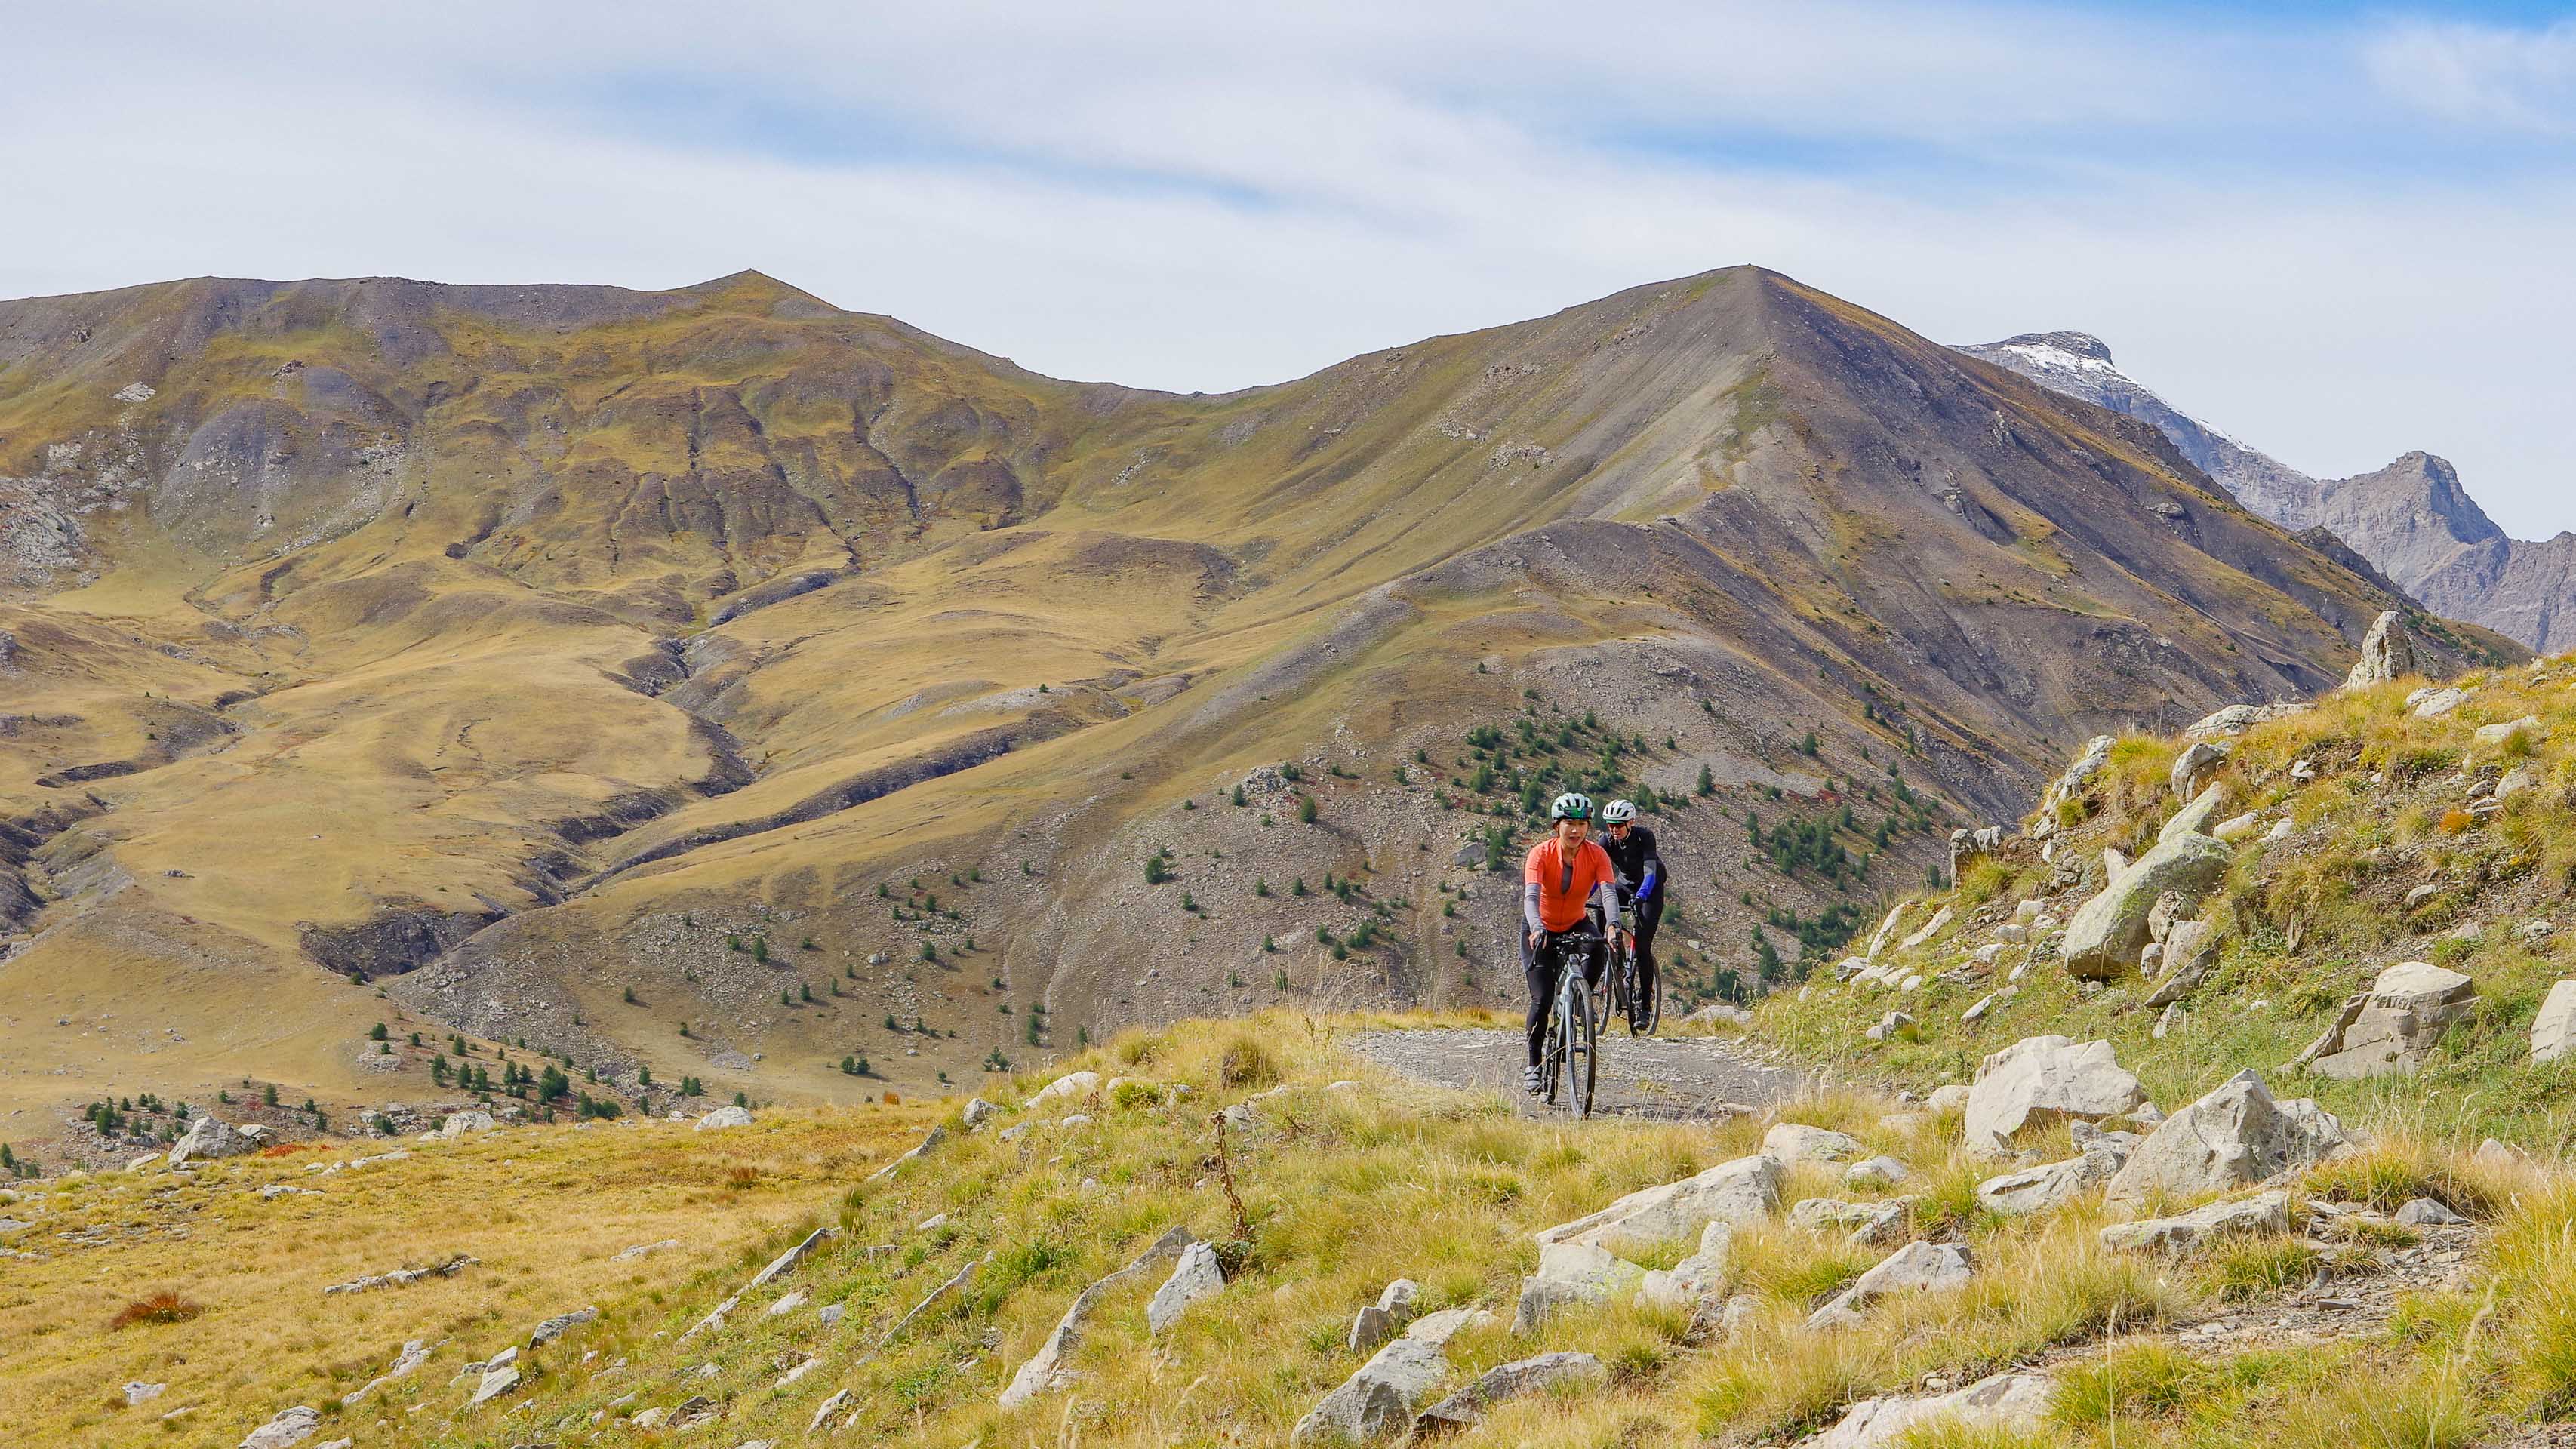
(1071, 1084)
(1570, 1274)
(2394, 1025)
(1793, 1143)
(1696, 1277)
(1895, 1023)
(414, 1353)
(2054, 1184)
(2045, 1079)
(2387, 652)
(1744, 1190)
(1467, 1406)
(1436, 1329)
(2109, 930)
(2236, 1136)
(2529, 727)
(2193, 767)
(209, 1136)
(290, 1427)
(498, 1379)
(1875, 1172)
(457, 1124)
(1949, 1097)
(2434, 703)
(2553, 1031)
(2236, 719)
(2187, 954)
(724, 1117)
(977, 1113)
(139, 1393)
(2009, 1402)
(2267, 1212)
(1918, 1267)
(559, 1325)
(1378, 1399)
(1198, 1276)
(1370, 1327)
(2236, 827)
(2194, 817)
(2424, 1212)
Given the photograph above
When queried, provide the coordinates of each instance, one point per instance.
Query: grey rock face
(2236, 1136)
(2045, 1079)
(2267, 1212)
(2394, 1025)
(1467, 1406)
(2108, 931)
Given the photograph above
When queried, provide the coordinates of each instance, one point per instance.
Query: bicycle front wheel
(1582, 1052)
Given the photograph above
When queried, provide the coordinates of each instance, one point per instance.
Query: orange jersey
(1563, 892)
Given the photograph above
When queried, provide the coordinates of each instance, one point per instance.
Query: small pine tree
(1305, 809)
(630, 996)
(742, 1100)
(760, 949)
(379, 1034)
(268, 1095)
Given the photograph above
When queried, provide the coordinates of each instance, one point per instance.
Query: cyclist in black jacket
(1641, 882)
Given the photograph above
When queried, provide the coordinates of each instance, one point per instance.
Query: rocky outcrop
(2072, 784)
(724, 1117)
(2041, 1080)
(785, 1263)
(1918, 1267)
(1696, 1277)
(289, 1428)
(2193, 767)
(2236, 1136)
(1377, 1400)
(2387, 652)
(1571, 1274)
(2394, 1025)
(209, 1136)
(2267, 1212)
(559, 1325)
(2109, 931)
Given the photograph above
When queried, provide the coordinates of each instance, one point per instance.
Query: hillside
(2412, 519)
(715, 688)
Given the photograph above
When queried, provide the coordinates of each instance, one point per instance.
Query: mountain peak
(2077, 350)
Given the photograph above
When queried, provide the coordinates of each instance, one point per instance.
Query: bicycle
(1642, 1015)
(1573, 1041)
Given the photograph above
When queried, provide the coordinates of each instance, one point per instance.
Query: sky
(2336, 231)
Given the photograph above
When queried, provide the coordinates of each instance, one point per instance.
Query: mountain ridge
(536, 671)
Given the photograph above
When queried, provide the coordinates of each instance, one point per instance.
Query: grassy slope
(1342, 1190)
(2360, 847)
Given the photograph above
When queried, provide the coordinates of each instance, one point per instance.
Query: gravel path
(1674, 1077)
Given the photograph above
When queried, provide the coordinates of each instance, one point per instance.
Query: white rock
(1918, 1267)
(1875, 1172)
(1744, 1190)
(1949, 1097)
(2553, 1031)
(2528, 726)
(1506, 1381)
(1377, 1400)
(2044, 1079)
(209, 1136)
(2235, 1136)
(1071, 1084)
(1569, 1274)
(2387, 653)
(1695, 1277)
(1793, 1142)
(457, 1124)
(1931, 928)
(724, 1117)
(2016, 1402)
(2394, 1026)
(290, 1427)
(2267, 1212)
(2237, 827)
(2424, 1212)
(1197, 1276)
(2438, 702)
(2038, 1189)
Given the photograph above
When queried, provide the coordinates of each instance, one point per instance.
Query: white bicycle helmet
(1571, 806)
(1618, 812)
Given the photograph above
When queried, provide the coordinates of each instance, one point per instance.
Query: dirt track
(1679, 1077)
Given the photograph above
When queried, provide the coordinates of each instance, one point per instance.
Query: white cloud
(2481, 74)
(1204, 197)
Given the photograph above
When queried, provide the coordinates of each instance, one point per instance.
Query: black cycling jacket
(1640, 869)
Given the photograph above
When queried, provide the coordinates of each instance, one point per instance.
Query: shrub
(1246, 1062)
(164, 1306)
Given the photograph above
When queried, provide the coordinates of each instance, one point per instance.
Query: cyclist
(1566, 875)
(1631, 848)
